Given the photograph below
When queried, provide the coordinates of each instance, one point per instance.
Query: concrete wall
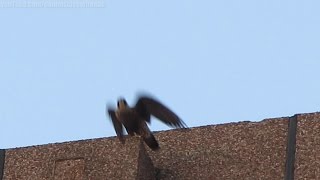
(307, 164)
(231, 151)
(89, 159)
(244, 150)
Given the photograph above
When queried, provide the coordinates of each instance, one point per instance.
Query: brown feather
(147, 105)
(116, 124)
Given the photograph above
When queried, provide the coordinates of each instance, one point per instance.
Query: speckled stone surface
(146, 170)
(307, 163)
(243, 150)
(87, 159)
(69, 169)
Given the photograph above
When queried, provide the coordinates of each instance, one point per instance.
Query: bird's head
(122, 103)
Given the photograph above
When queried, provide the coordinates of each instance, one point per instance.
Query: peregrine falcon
(134, 119)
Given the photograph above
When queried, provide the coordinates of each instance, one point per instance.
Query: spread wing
(147, 105)
(118, 127)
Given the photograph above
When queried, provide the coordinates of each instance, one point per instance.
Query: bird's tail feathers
(151, 141)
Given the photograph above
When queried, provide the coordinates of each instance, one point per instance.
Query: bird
(134, 119)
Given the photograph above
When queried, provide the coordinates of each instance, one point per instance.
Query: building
(278, 148)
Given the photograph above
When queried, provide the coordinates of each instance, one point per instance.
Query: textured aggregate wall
(243, 150)
(307, 164)
(89, 159)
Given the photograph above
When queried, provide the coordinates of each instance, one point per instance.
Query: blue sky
(211, 62)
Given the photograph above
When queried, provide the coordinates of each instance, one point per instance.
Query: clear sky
(211, 62)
